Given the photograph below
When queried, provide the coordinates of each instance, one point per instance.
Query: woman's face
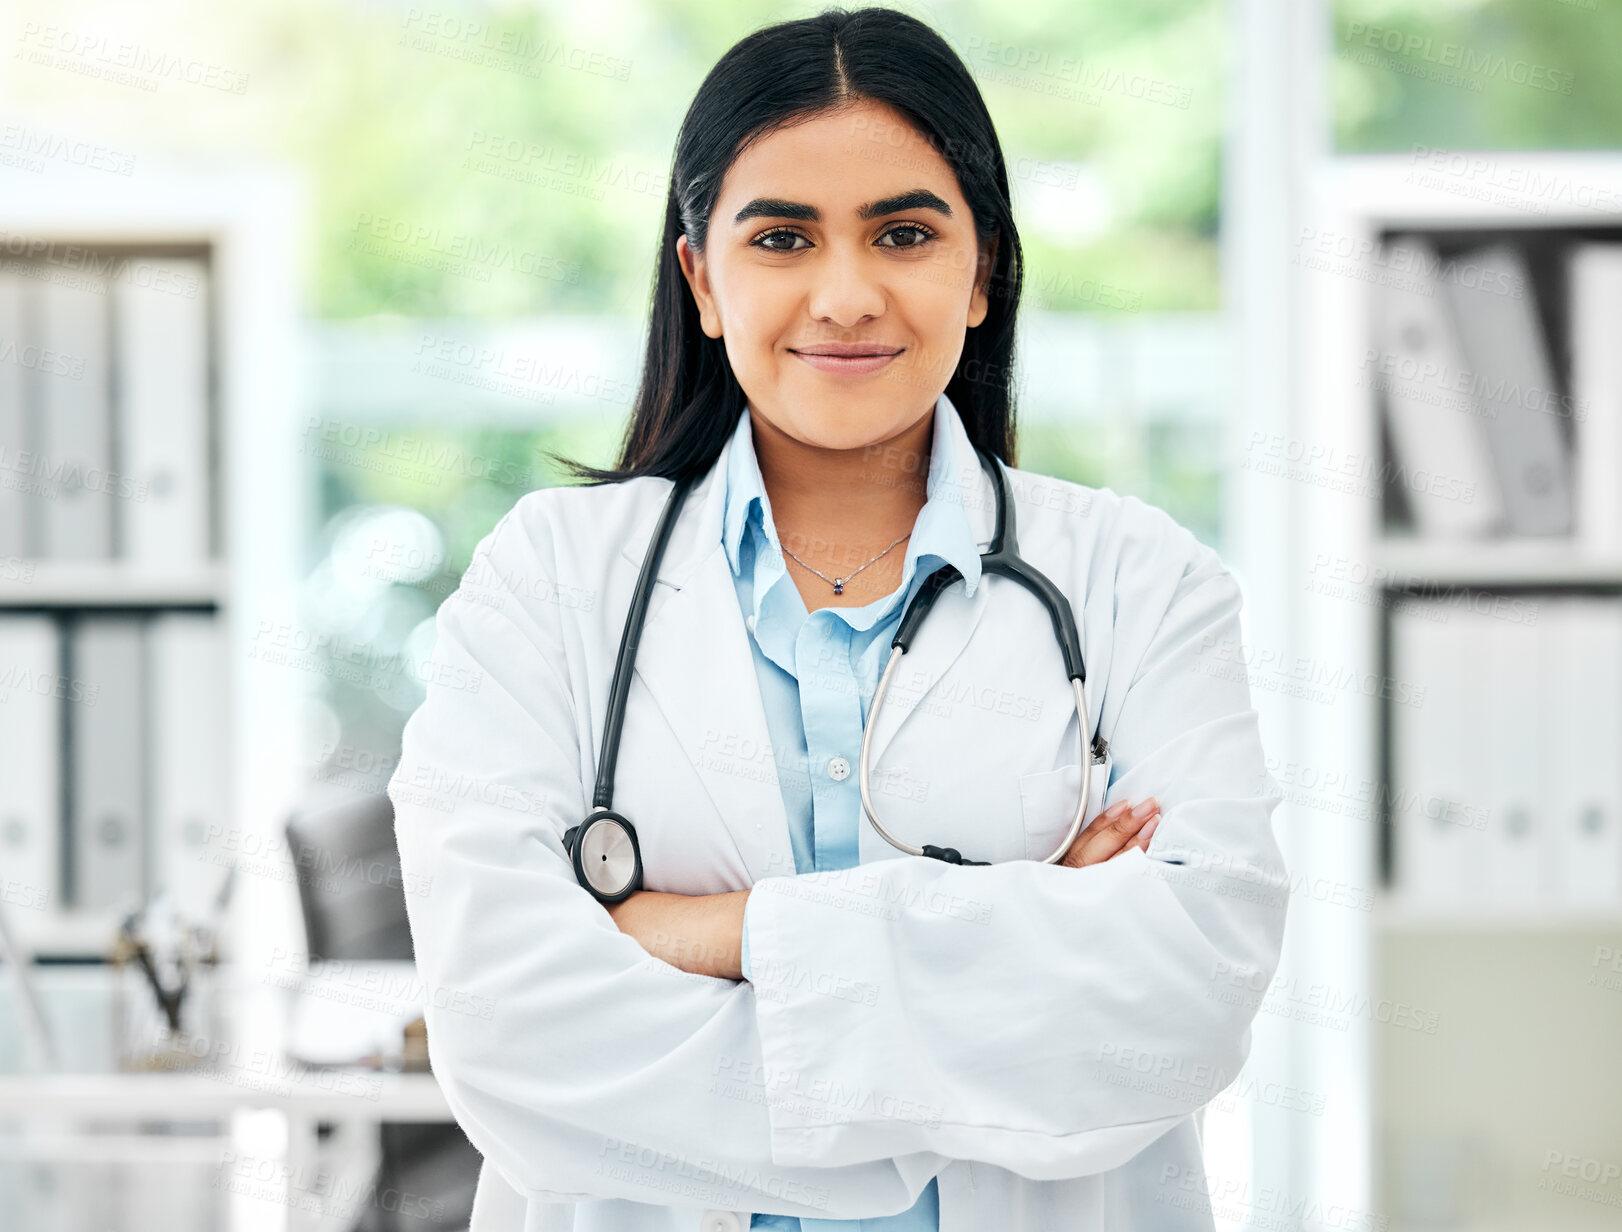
(844, 231)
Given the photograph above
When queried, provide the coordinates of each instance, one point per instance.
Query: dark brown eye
(762, 240)
(919, 235)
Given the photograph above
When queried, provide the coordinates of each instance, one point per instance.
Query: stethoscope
(607, 859)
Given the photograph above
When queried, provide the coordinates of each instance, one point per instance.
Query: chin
(843, 433)
(845, 423)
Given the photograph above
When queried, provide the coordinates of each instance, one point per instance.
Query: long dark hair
(689, 400)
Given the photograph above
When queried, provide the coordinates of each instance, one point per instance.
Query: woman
(786, 1027)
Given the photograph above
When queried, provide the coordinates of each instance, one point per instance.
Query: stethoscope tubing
(603, 797)
(949, 854)
(1001, 557)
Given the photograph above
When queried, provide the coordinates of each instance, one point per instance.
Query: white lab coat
(1038, 1037)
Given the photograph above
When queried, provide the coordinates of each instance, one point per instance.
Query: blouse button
(839, 769)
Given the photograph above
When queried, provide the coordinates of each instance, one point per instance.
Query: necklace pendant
(839, 586)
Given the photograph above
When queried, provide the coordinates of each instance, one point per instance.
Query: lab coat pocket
(1048, 801)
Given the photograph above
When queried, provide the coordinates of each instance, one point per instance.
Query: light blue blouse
(817, 673)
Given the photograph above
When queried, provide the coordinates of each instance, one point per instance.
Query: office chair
(349, 914)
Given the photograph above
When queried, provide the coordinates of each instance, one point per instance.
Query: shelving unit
(242, 227)
(57, 584)
(134, 1139)
(1518, 1044)
(1509, 564)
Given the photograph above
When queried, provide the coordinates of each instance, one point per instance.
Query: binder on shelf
(1495, 312)
(106, 758)
(75, 419)
(1434, 425)
(1594, 277)
(30, 762)
(161, 327)
(1437, 808)
(186, 664)
(14, 344)
(1580, 743)
(1507, 685)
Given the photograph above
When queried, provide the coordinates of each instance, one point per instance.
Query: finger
(1141, 842)
(1111, 837)
(1111, 816)
(1109, 831)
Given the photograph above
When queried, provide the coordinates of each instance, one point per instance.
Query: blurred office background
(295, 297)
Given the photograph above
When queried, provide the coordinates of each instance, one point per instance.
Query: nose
(847, 286)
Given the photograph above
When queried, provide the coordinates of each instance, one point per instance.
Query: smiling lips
(854, 358)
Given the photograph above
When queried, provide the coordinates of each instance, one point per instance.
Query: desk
(280, 1177)
(185, 1096)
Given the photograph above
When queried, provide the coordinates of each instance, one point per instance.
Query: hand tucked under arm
(699, 933)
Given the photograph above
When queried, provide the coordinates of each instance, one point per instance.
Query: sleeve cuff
(743, 959)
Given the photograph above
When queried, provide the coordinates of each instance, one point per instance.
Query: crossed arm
(703, 933)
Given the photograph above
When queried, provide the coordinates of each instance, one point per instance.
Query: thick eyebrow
(913, 199)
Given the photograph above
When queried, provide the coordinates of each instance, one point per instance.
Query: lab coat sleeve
(579, 1065)
(1052, 1021)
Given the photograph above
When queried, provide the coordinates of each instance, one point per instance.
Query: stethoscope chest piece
(607, 859)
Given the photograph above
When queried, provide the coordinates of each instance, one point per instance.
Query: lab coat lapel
(946, 631)
(696, 661)
(694, 658)
(940, 642)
